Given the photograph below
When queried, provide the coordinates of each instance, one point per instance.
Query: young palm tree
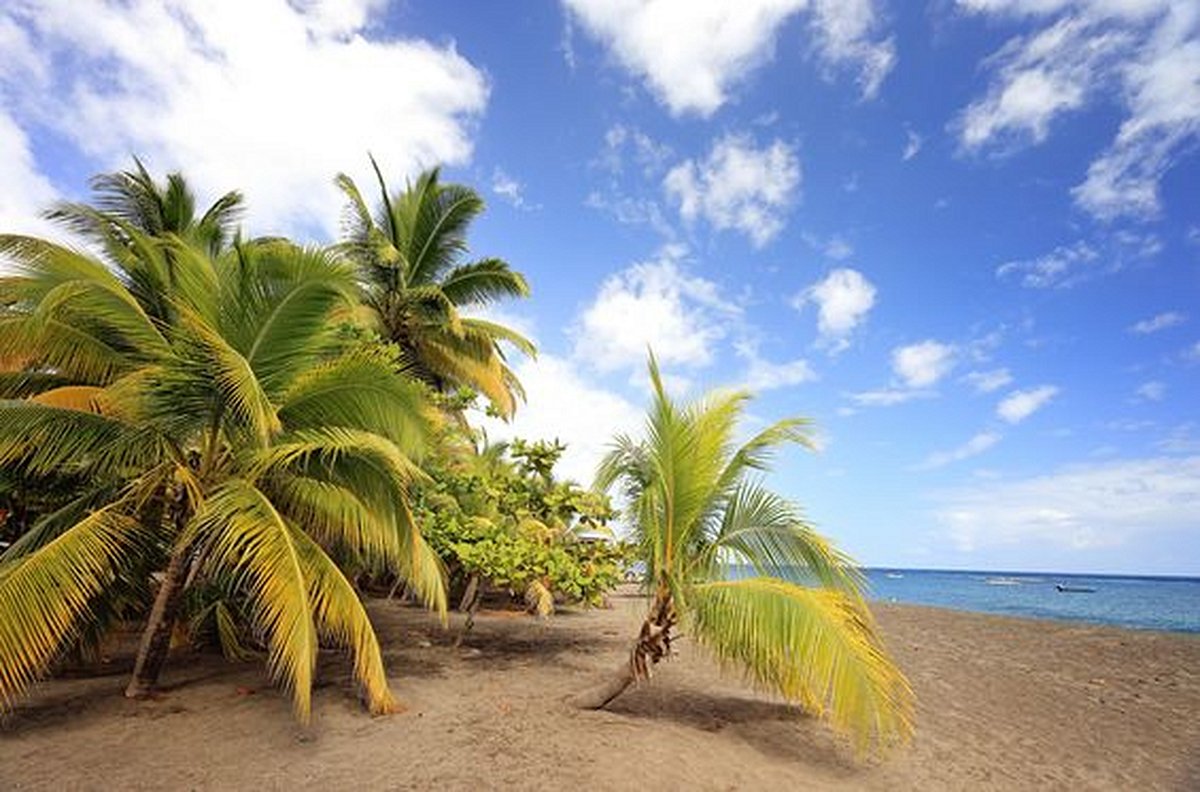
(697, 507)
(409, 259)
(231, 443)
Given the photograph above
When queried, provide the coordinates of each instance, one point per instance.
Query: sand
(1004, 704)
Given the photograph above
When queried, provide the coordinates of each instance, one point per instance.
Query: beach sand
(1003, 704)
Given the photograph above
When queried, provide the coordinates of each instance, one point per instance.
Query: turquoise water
(1152, 603)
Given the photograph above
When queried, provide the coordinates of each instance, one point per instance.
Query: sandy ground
(1004, 704)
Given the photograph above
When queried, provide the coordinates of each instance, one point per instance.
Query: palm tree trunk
(652, 645)
(156, 639)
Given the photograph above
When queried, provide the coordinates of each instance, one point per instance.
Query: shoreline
(1003, 702)
(878, 604)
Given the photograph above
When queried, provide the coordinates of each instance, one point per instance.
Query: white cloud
(835, 247)
(648, 154)
(1143, 53)
(912, 146)
(231, 92)
(988, 381)
(738, 186)
(563, 404)
(1180, 439)
(1070, 265)
(889, 396)
(843, 298)
(1151, 391)
(1085, 506)
(25, 190)
(923, 364)
(762, 375)
(1062, 267)
(1021, 404)
(510, 189)
(654, 304)
(713, 46)
(973, 447)
(1158, 322)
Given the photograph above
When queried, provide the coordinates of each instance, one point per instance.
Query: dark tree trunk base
(156, 640)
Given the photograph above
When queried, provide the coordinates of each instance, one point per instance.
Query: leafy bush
(497, 514)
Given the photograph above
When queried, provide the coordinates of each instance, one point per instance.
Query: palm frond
(494, 332)
(769, 533)
(815, 647)
(482, 282)
(250, 538)
(339, 615)
(45, 440)
(359, 392)
(46, 595)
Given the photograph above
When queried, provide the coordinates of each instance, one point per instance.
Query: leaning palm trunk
(652, 645)
(156, 639)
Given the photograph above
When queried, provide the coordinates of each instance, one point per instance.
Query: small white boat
(1002, 581)
(894, 575)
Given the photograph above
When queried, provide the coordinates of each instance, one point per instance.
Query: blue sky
(963, 237)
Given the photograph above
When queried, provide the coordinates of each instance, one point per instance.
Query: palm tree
(133, 199)
(232, 443)
(409, 258)
(698, 511)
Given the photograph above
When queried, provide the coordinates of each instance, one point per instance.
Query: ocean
(1149, 603)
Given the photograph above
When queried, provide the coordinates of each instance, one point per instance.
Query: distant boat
(894, 575)
(1074, 589)
(1002, 581)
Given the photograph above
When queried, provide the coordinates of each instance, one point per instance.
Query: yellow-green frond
(340, 616)
(252, 539)
(769, 533)
(816, 647)
(46, 595)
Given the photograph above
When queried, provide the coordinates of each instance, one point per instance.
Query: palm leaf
(46, 595)
(815, 647)
(251, 539)
(482, 282)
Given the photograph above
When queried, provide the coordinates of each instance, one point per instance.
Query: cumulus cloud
(843, 299)
(1145, 54)
(916, 369)
(974, 447)
(988, 381)
(654, 304)
(226, 90)
(1157, 322)
(738, 186)
(1021, 404)
(26, 191)
(923, 364)
(1079, 507)
(565, 404)
(715, 46)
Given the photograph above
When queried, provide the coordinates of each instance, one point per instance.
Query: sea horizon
(1143, 602)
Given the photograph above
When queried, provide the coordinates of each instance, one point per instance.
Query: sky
(963, 237)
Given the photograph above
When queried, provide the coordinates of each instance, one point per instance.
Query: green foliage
(498, 513)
